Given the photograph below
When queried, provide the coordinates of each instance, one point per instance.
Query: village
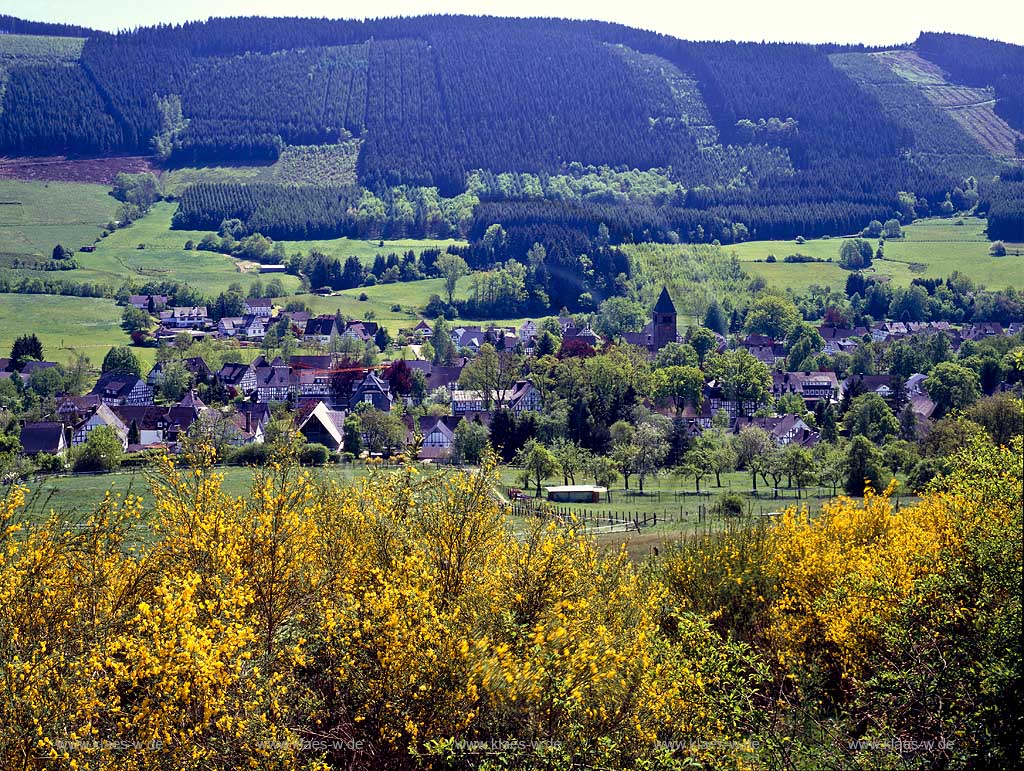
(497, 386)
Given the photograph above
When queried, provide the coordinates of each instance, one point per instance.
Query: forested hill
(745, 139)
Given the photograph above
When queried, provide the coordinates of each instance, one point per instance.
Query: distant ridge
(12, 25)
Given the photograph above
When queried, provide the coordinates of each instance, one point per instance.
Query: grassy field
(366, 251)
(681, 512)
(81, 493)
(64, 325)
(930, 248)
(118, 257)
(412, 296)
(36, 216)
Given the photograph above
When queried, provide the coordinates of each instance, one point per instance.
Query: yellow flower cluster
(305, 625)
(843, 575)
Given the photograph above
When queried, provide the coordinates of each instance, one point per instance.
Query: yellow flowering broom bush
(885, 626)
(395, 624)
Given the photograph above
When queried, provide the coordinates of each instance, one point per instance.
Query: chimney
(248, 421)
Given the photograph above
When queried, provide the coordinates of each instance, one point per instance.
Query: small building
(120, 389)
(103, 415)
(147, 424)
(188, 317)
(238, 376)
(322, 329)
(360, 330)
(438, 434)
(45, 437)
(324, 426)
(259, 306)
(374, 391)
(195, 365)
(524, 398)
(273, 268)
(467, 401)
(148, 302)
(575, 493)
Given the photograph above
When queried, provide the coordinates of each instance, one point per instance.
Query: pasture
(681, 511)
(36, 216)
(366, 251)
(80, 493)
(930, 248)
(118, 257)
(64, 325)
(410, 296)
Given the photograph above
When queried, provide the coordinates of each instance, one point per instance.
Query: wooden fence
(607, 518)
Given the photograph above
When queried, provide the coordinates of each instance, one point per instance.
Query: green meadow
(366, 251)
(36, 216)
(164, 257)
(930, 248)
(410, 296)
(64, 325)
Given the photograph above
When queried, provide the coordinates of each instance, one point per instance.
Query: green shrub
(249, 455)
(729, 505)
(314, 455)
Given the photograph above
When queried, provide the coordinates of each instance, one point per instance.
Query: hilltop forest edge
(632, 137)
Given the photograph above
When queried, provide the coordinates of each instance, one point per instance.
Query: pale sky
(878, 22)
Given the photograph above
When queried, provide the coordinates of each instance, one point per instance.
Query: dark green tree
(863, 466)
(121, 359)
(25, 348)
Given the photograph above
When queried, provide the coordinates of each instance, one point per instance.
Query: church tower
(664, 328)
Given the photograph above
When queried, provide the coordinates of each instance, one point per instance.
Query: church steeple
(664, 326)
(664, 304)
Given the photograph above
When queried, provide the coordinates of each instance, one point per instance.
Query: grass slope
(36, 216)
(118, 257)
(366, 251)
(931, 248)
(63, 324)
(412, 296)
